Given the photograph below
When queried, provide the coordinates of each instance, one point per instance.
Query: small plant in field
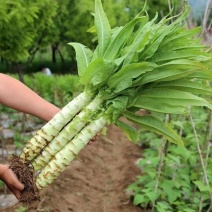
(21, 209)
(1, 184)
(180, 185)
(143, 65)
(18, 139)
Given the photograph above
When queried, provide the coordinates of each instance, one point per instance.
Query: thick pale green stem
(34, 146)
(63, 158)
(66, 134)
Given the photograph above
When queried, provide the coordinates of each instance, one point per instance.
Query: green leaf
(139, 41)
(158, 38)
(103, 28)
(138, 199)
(151, 195)
(183, 64)
(188, 210)
(168, 188)
(179, 35)
(171, 97)
(124, 78)
(83, 57)
(202, 187)
(186, 85)
(131, 132)
(18, 144)
(169, 55)
(173, 70)
(183, 15)
(97, 72)
(157, 105)
(160, 76)
(206, 75)
(163, 207)
(101, 77)
(120, 39)
(155, 125)
(116, 107)
(120, 102)
(93, 68)
(92, 29)
(182, 151)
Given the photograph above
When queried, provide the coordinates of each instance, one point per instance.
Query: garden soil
(96, 181)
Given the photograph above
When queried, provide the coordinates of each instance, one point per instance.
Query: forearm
(16, 95)
(2, 169)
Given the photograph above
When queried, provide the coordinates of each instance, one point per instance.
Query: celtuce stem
(64, 157)
(43, 136)
(66, 134)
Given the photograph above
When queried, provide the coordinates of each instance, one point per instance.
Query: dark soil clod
(25, 174)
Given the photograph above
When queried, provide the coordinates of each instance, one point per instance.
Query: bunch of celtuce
(156, 66)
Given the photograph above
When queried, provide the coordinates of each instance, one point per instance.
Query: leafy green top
(145, 65)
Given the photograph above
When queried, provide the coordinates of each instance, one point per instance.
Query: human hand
(11, 180)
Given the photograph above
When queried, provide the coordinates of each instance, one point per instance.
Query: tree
(70, 24)
(24, 25)
(75, 17)
(30, 26)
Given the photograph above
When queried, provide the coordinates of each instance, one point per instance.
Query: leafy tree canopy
(28, 26)
(24, 25)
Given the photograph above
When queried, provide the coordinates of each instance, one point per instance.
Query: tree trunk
(62, 61)
(54, 49)
(17, 69)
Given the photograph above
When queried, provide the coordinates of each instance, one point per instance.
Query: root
(25, 174)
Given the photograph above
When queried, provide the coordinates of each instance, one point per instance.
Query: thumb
(16, 183)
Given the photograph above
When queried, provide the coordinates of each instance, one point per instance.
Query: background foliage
(172, 178)
(32, 30)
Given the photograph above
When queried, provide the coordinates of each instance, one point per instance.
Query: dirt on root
(96, 180)
(25, 175)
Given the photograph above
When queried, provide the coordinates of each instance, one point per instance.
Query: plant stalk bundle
(156, 66)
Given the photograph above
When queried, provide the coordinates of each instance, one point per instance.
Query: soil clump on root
(25, 174)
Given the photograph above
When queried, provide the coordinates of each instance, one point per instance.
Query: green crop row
(176, 178)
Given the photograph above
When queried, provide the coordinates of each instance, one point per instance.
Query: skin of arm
(16, 95)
